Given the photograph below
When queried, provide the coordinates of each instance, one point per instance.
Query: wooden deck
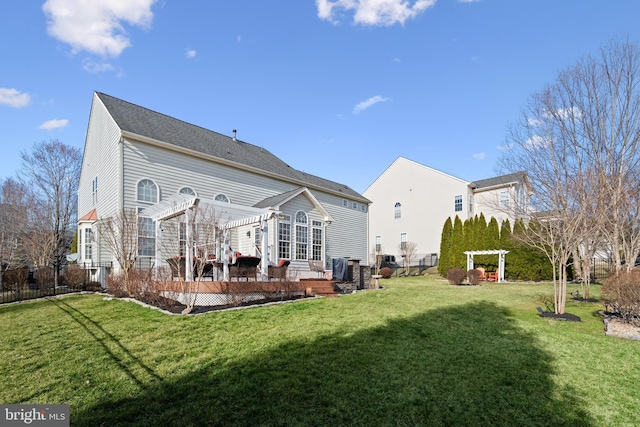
(310, 287)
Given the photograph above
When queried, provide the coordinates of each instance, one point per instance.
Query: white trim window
(504, 199)
(146, 236)
(458, 203)
(316, 240)
(222, 198)
(397, 210)
(284, 237)
(378, 244)
(188, 191)
(88, 244)
(147, 191)
(302, 236)
(403, 240)
(94, 190)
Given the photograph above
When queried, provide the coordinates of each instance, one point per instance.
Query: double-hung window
(284, 237)
(302, 236)
(458, 203)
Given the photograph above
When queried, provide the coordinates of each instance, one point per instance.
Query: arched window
(302, 236)
(187, 191)
(397, 210)
(147, 191)
(221, 198)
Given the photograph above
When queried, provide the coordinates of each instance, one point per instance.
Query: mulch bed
(173, 306)
(565, 316)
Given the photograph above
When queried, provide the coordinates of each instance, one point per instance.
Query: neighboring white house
(411, 202)
(137, 158)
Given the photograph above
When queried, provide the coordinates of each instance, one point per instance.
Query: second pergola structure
(500, 252)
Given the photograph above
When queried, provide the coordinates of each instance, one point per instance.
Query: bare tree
(119, 234)
(52, 170)
(407, 251)
(376, 254)
(579, 141)
(202, 226)
(14, 207)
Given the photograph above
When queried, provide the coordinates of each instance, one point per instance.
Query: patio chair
(316, 266)
(279, 271)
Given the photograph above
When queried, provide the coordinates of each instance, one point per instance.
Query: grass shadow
(467, 365)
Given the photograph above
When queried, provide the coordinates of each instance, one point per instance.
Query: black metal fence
(22, 284)
(415, 268)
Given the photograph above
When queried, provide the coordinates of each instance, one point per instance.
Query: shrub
(44, 278)
(74, 277)
(15, 279)
(385, 272)
(139, 285)
(456, 276)
(474, 276)
(621, 295)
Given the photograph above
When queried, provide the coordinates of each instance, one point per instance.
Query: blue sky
(337, 88)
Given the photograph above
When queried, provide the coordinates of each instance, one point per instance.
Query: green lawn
(419, 353)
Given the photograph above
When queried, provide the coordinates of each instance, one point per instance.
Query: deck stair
(319, 287)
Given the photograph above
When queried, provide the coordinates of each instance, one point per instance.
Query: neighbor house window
(397, 210)
(378, 244)
(403, 240)
(504, 199)
(354, 205)
(458, 203)
(147, 191)
(302, 236)
(284, 237)
(316, 240)
(345, 203)
(363, 207)
(88, 244)
(222, 198)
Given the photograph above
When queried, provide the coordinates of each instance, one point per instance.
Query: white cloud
(368, 103)
(14, 98)
(536, 142)
(479, 156)
(373, 12)
(191, 53)
(54, 124)
(96, 26)
(97, 67)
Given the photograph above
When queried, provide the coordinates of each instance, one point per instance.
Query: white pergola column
(264, 262)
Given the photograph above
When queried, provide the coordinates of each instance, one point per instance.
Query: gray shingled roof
(144, 122)
(275, 200)
(500, 180)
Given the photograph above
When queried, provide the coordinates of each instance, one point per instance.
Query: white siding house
(411, 202)
(135, 158)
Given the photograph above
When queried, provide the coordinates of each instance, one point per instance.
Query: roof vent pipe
(234, 134)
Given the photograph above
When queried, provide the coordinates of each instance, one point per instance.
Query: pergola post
(469, 261)
(264, 262)
(188, 257)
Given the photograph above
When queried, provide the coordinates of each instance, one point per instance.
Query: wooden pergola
(231, 216)
(500, 252)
